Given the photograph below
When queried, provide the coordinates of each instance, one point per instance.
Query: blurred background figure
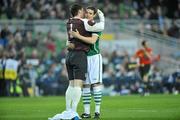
(11, 74)
(2, 70)
(145, 59)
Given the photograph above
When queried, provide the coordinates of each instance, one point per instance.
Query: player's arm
(69, 45)
(136, 58)
(89, 40)
(97, 27)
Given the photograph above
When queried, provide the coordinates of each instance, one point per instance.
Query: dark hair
(92, 8)
(75, 8)
(143, 43)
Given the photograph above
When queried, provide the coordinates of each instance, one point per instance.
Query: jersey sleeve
(139, 53)
(96, 27)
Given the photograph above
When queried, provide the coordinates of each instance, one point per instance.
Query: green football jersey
(94, 48)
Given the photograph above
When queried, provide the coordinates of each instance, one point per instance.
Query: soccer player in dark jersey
(94, 75)
(76, 59)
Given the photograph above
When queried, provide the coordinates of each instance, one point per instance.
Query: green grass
(134, 107)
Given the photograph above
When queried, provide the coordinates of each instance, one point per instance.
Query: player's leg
(144, 71)
(96, 80)
(97, 93)
(8, 86)
(86, 93)
(77, 92)
(73, 94)
(146, 79)
(86, 97)
(68, 97)
(79, 71)
(69, 94)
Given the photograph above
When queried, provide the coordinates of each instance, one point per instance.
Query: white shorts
(94, 72)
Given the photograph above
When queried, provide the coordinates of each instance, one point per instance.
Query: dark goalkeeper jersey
(72, 25)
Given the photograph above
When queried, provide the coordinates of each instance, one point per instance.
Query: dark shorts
(144, 70)
(76, 64)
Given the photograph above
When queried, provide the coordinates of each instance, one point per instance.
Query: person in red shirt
(146, 58)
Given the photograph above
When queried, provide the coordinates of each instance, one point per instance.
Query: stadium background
(34, 33)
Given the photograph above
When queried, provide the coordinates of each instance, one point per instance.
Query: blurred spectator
(49, 42)
(25, 80)
(156, 80)
(173, 31)
(3, 38)
(176, 78)
(2, 70)
(63, 83)
(11, 74)
(57, 9)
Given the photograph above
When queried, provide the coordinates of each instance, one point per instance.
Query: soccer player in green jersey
(94, 75)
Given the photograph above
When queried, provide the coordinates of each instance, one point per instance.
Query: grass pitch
(134, 107)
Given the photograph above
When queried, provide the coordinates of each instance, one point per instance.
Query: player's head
(77, 10)
(90, 12)
(144, 43)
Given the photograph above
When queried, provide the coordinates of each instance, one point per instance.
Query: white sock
(69, 97)
(76, 97)
(86, 95)
(97, 93)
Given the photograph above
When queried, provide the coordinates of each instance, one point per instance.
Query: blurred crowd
(41, 68)
(40, 65)
(159, 10)
(162, 28)
(58, 9)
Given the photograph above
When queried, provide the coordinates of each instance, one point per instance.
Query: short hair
(143, 43)
(92, 8)
(75, 8)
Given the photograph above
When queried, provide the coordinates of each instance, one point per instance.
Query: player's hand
(158, 57)
(75, 33)
(100, 12)
(70, 45)
(101, 15)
